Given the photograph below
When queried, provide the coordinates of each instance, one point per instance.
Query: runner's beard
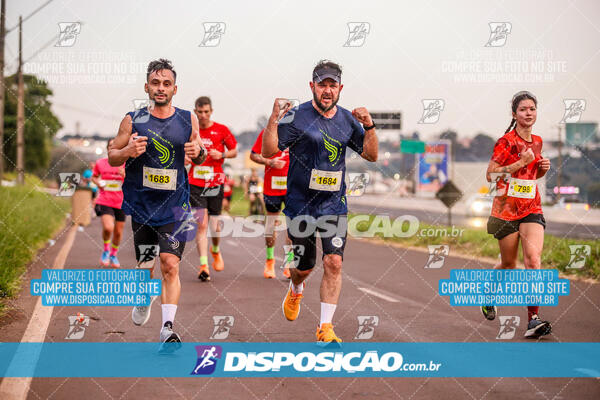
(161, 103)
(321, 106)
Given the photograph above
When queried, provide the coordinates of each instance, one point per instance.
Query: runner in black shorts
(227, 191)
(206, 184)
(253, 191)
(154, 143)
(108, 207)
(516, 164)
(317, 134)
(275, 188)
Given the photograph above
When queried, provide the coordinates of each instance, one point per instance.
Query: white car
(479, 205)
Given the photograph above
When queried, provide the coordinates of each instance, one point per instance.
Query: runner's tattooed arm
(126, 145)
(194, 149)
(526, 158)
(494, 167)
(257, 158)
(270, 162)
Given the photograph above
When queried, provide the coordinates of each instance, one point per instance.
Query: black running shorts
(146, 235)
(117, 213)
(210, 198)
(274, 204)
(303, 234)
(501, 228)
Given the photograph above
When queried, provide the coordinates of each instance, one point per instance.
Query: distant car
(479, 205)
(572, 204)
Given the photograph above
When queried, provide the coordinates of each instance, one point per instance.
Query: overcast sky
(413, 51)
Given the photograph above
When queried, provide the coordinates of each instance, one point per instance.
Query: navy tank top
(156, 188)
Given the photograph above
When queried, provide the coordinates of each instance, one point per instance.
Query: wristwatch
(366, 128)
(223, 155)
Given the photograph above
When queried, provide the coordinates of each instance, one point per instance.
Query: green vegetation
(41, 124)
(239, 205)
(28, 218)
(473, 242)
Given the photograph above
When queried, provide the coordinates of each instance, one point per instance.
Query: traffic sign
(387, 119)
(412, 146)
(449, 194)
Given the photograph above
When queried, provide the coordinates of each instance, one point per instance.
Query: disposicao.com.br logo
(271, 363)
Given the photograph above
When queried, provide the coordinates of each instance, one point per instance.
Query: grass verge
(465, 241)
(474, 242)
(28, 218)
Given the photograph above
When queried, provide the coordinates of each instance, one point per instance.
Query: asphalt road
(560, 229)
(388, 282)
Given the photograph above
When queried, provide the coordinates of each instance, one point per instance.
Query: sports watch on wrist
(366, 128)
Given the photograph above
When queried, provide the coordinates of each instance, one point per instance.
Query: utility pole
(20, 112)
(559, 166)
(2, 35)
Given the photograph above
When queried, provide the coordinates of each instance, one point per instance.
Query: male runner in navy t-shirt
(317, 134)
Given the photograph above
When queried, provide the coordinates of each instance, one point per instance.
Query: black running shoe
(203, 273)
(489, 312)
(537, 328)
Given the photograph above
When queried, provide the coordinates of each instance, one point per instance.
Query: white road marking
(378, 294)
(18, 388)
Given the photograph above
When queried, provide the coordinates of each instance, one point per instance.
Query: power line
(29, 16)
(38, 51)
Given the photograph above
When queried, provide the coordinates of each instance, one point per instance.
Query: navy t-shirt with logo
(316, 142)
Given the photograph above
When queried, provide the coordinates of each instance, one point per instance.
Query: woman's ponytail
(511, 126)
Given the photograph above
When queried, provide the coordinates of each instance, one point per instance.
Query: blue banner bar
(224, 359)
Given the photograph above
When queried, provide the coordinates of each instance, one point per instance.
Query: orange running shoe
(269, 271)
(217, 262)
(326, 334)
(203, 273)
(286, 272)
(291, 304)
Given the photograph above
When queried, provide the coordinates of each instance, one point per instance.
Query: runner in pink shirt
(108, 207)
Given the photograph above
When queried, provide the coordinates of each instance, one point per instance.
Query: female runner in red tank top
(515, 166)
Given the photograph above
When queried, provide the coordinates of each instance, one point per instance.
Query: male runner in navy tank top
(154, 145)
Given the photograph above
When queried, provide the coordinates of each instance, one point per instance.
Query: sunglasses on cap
(323, 73)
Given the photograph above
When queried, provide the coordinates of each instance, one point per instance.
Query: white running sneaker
(141, 314)
(169, 340)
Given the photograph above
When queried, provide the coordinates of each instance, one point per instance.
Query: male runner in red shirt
(275, 182)
(206, 183)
